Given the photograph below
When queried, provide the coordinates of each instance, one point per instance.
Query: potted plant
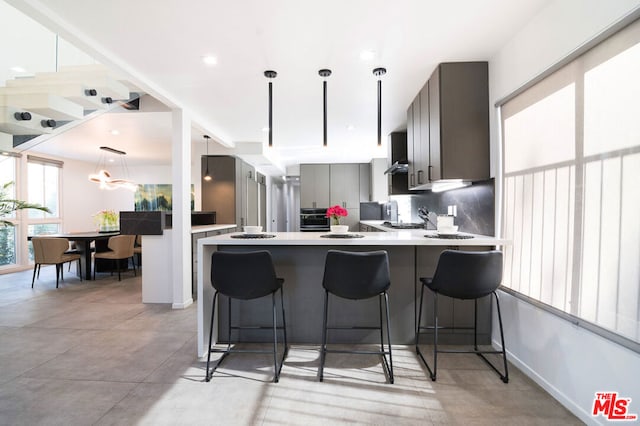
(335, 213)
(107, 220)
(9, 205)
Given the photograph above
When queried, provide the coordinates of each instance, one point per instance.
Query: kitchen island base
(302, 267)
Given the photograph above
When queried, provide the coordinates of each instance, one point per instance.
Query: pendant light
(324, 73)
(270, 75)
(207, 176)
(379, 72)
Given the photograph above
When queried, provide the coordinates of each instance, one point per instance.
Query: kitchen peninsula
(299, 259)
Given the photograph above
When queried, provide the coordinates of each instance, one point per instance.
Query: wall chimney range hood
(401, 166)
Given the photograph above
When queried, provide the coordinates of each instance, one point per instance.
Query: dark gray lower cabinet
(302, 268)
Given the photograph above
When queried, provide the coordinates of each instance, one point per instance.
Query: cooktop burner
(403, 225)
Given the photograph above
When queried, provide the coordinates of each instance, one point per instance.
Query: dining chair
(52, 251)
(358, 276)
(246, 276)
(466, 275)
(120, 248)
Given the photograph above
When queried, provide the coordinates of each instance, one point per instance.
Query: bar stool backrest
(467, 274)
(247, 275)
(356, 275)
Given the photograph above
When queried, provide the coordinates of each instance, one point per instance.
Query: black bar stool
(357, 276)
(463, 275)
(246, 276)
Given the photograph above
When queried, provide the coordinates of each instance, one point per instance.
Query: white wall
(568, 361)
(81, 199)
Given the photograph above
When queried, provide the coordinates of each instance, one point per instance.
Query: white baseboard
(568, 403)
(182, 305)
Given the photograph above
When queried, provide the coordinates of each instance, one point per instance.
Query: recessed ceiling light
(111, 160)
(209, 60)
(350, 127)
(265, 129)
(115, 132)
(18, 69)
(367, 55)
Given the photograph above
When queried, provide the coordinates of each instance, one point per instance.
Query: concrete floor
(92, 353)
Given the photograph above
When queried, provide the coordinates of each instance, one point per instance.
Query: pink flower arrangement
(335, 212)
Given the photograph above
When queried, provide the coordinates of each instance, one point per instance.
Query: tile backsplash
(475, 206)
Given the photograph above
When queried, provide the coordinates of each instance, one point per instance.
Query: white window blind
(571, 187)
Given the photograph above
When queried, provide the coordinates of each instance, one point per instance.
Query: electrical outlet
(452, 210)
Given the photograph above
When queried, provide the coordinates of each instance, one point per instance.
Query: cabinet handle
(429, 169)
(314, 204)
(411, 180)
(420, 172)
(344, 204)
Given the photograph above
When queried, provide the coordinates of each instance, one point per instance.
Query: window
(571, 196)
(7, 233)
(44, 182)
(44, 189)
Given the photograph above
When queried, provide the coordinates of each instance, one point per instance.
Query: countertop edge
(206, 228)
(399, 238)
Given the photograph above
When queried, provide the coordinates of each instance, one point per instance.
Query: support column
(181, 228)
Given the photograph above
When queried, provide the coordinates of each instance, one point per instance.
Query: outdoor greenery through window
(7, 233)
(571, 197)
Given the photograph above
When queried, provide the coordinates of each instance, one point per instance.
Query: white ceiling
(160, 45)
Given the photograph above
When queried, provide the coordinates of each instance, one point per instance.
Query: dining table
(83, 242)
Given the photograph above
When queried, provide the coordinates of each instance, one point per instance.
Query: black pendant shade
(207, 176)
(270, 75)
(324, 73)
(378, 72)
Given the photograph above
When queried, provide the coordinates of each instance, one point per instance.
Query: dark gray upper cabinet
(451, 127)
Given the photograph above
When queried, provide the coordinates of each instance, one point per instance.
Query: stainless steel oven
(314, 220)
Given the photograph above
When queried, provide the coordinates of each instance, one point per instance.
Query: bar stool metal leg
(504, 378)
(275, 340)
(418, 328)
(435, 336)
(390, 366)
(213, 313)
(323, 351)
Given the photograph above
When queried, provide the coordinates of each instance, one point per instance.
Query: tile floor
(90, 353)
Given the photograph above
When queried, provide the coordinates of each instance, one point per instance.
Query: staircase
(32, 109)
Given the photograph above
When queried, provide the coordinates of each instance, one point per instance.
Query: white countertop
(207, 228)
(413, 237)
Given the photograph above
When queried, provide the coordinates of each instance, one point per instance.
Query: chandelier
(102, 177)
